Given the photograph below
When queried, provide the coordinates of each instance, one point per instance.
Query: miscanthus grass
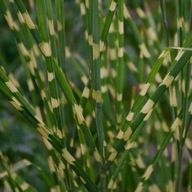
(100, 94)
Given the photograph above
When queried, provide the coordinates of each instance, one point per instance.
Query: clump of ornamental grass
(100, 95)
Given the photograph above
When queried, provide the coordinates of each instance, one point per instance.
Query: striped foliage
(105, 89)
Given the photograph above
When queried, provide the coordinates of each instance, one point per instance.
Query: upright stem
(97, 84)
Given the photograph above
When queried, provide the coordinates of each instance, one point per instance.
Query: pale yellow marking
(113, 73)
(158, 78)
(97, 96)
(63, 99)
(83, 181)
(144, 50)
(83, 149)
(23, 49)
(42, 130)
(56, 188)
(104, 72)
(120, 134)
(120, 52)
(90, 40)
(28, 21)
(152, 34)
(14, 175)
(144, 89)
(82, 9)
(165, 127)
(104, 89)
(132, 66)
(127, 134)
(97, 156)
(51, 164)
(140, 162)
(163, 54)
(45, 48)
(12, 24)
(114, 186)
(24, 186)
(119, 96)
(50, 76)
(147, 107)
(87, 4)
(67, 51)
(173, 97)
(118, 118)
(121, 27)
(112, 6)
(188, 143)
(112, 54)
(154, 188)
(157, 125)
(148, 115)
(111, 28)
(86, 92)
(180, 22)
(148, 172)
(110, 185)
(140, 12)
(101, 45)
(126, 12)
(112, 91)
(139, 187)
(51, 27)
(59, 133)
(148, 127)
(61, 168)
(59, 25)
(21, 19)
(96, 51)
(68, 157)
(47, 144)
(179, 55)
(78, 151)
(176, 124)
(130, 116)
(43, 94)
(110, 134)
(86, 35)
(11, 87)
(170, 186)
(167, 80)
(78, 111)
(186, 25)
(93, 114)
(13, 80)
(30, 85)
(84, 79)
(148, 69)
(113, 155)
(35, 51)
(183, 86)
(54, 103)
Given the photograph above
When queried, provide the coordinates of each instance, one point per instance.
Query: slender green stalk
(120, 65)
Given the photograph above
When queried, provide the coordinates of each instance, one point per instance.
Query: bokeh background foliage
(100, 95)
